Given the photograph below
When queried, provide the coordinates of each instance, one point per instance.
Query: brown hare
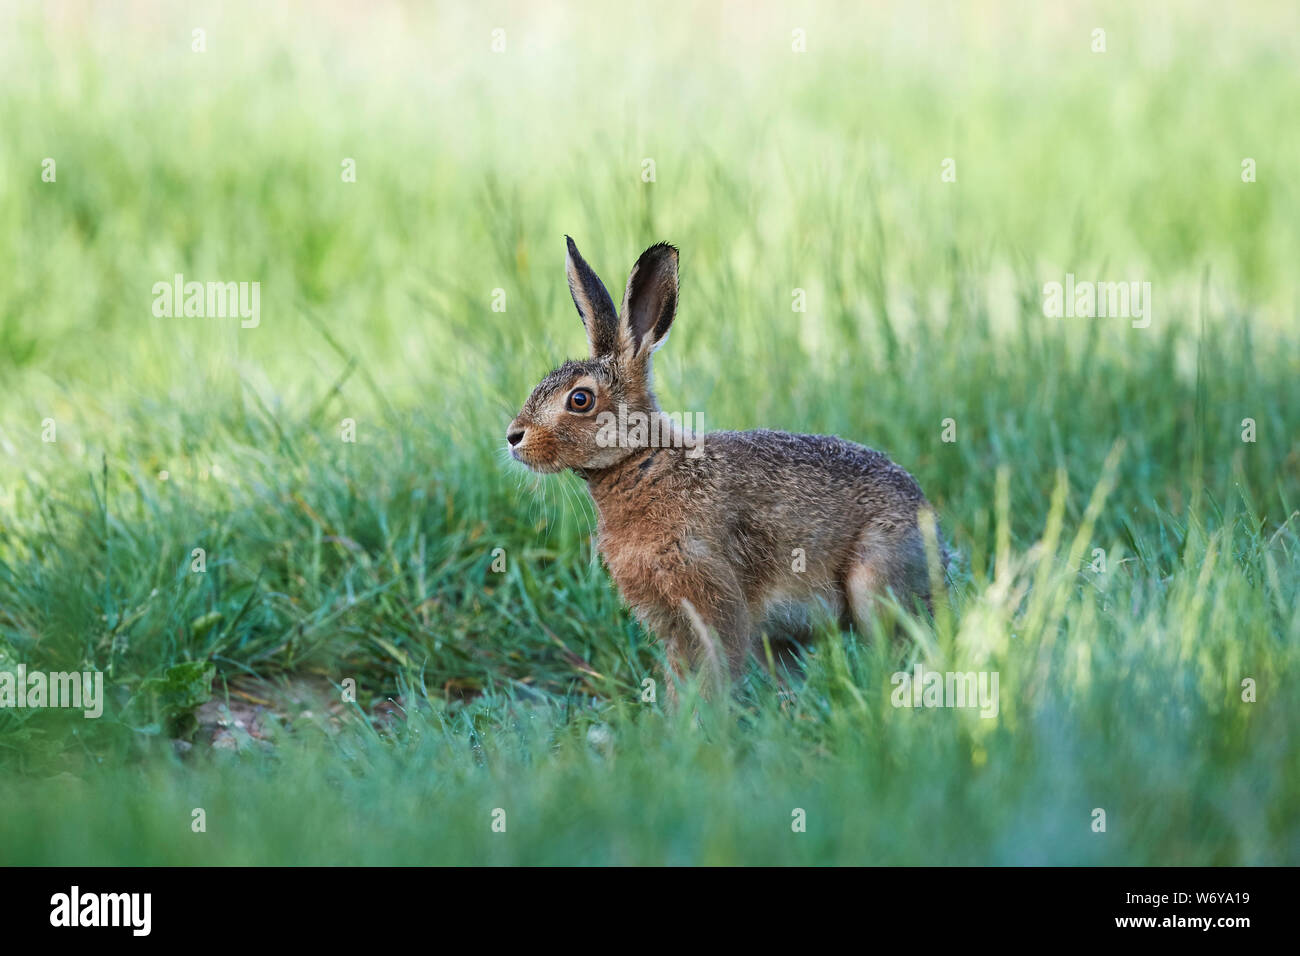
(712, 537)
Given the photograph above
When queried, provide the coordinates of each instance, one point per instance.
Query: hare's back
(812, 471)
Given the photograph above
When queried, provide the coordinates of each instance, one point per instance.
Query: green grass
(1120, 688)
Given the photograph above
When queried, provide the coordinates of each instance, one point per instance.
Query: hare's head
(566, 422)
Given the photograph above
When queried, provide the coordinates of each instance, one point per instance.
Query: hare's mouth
(541, 467)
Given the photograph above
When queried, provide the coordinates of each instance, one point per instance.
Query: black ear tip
(573, 248)
(661, 250)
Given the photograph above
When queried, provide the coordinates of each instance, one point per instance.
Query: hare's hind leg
(882, 562)
(865, 581)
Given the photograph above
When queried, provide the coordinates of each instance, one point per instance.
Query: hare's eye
(581, 400)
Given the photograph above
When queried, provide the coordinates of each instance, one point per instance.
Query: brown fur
(701, 541)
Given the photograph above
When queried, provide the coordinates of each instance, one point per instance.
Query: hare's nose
(515, 437)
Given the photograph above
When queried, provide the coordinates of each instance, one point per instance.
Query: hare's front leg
(705, 625)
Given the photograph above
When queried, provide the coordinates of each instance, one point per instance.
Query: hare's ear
(650, 301)
(595, 307)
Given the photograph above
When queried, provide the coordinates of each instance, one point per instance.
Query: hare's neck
(602, 481)
(658, 442)
(613, 489)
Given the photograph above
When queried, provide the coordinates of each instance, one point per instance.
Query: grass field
(1128, 564)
